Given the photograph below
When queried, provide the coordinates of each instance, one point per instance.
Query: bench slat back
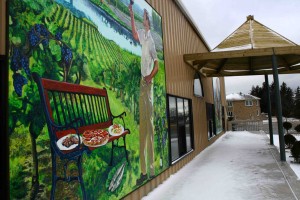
(66, 102)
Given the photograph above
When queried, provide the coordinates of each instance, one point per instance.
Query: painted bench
(72, 109)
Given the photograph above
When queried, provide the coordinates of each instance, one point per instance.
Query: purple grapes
(19, 61)
(41, 30)
(15, 64)
(67, 55)
(43, 34)
(58, 35)
(19, 81)
(37, 34)
(45, 42)
(33, 38)
(24, 62)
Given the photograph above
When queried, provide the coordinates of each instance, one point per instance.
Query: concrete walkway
(239, 165)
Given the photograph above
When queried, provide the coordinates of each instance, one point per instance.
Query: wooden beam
(250, 64)
(221, 65)
(243, 53)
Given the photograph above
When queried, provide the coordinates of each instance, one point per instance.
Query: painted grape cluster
(67, 55)
(38, 34)
(19, 82)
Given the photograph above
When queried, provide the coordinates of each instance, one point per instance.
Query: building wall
(242, 112)
(180, 38)
(2, 27)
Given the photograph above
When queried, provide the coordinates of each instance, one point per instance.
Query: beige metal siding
(180, 38)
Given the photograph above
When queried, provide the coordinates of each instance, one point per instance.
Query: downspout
(278, 107)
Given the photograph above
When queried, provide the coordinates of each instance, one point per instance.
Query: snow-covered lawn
(295, 166)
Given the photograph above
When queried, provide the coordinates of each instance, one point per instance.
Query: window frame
(229, 104)
(198, 85)
(188, 120)
(210, 118)
(248, 102)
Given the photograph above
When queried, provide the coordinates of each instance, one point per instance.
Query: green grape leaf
(55, 50)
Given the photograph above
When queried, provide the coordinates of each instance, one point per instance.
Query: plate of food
(116, 129)
(95, 138)
(68, 142)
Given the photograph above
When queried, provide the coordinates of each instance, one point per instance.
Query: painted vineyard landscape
(89, 43)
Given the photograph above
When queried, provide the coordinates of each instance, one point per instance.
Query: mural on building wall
(217, 104)
(96, 43)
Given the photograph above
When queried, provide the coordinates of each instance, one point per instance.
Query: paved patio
(240, 165)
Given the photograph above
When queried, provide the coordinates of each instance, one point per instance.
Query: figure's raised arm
(133, 28)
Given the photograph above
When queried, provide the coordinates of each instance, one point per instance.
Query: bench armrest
(72, 125)
(120, 116)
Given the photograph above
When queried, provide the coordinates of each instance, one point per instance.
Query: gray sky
(217, 19)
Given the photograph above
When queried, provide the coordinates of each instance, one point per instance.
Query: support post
(279, 108)
(269, 110)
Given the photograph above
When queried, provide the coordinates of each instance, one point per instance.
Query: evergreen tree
(286, 100)
(264, 98)
(297, 103)
(289, 105)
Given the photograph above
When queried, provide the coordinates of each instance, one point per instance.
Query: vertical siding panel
(180, 38)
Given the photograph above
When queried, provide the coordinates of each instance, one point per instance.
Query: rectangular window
(229, 113)
(248, 103)
(211, 128)
(229, 103)
(180, 126)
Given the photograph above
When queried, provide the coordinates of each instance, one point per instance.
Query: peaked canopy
(248, 51)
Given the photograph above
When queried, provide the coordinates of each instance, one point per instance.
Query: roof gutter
(191, 21)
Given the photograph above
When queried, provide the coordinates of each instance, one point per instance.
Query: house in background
(244, 113)
(243, 107)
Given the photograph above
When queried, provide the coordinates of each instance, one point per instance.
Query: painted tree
(40, 51)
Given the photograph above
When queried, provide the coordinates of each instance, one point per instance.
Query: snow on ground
(239, 165)
(295, 166)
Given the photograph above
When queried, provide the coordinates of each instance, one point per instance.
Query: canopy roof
(248, 51)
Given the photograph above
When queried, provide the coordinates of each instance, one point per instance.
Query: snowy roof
(240, 97)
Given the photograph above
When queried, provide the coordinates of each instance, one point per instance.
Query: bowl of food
(116, 129)
(68, 142)
(95, 138)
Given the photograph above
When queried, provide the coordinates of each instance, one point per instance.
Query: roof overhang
(245, 62)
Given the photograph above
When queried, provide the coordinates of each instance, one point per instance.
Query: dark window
(180, 126)
(211, 128)
(223, 118)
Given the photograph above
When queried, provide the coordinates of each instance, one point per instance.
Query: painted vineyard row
(86, 40)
